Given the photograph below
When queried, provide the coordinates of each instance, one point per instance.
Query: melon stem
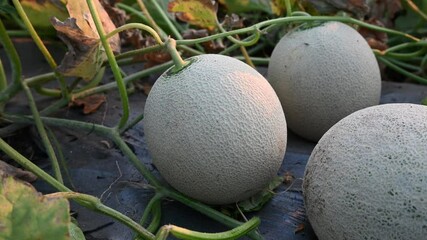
(176, 57)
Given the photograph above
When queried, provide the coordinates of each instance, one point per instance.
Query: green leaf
(6, 8)
(244, 6)
(75, 232)
(201, 13)
(424, 101)
(27, 215)
(40, 12)
(257, 201)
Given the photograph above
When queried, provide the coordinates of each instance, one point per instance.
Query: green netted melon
(322, 74)
(367, 176)
(216, 129)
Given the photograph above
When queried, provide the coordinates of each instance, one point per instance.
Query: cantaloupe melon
(216, 130)
(367, 176)
(322, 74)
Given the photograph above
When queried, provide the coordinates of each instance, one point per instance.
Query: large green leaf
(25, 214)
(201, 13)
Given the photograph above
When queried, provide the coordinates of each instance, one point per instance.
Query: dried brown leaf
(299, 228)
(7, 170)
(90, 103)
(232, 21)
(84, 54)
(79, 10)
(376, 40)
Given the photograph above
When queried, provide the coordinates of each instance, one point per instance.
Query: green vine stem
(156, 217)
(166, 19)
(15, 64)
(267, 23)
(95, 204)
(3, 79)
(402, 71)
(210, 212)
(150, 19)
(140, 51)
(114, 135)
(61, 158)
(113, 64)
(128, 79)
(415, 8)
(27, 164)
(149, 208)
(131, 26)
(179, 63)
(183, 233)
(39, 43)
(43, 134)
(288, 8)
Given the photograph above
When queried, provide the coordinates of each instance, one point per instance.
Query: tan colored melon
(322, 74)
(216, 129)
(367, 176)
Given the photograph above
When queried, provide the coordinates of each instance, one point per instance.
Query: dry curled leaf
(86, 55)
(90, 103)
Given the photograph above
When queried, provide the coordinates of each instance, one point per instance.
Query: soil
(96, 167)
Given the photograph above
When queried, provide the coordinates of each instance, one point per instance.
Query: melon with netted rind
(322, 74)
(216, 129)
(367, 176)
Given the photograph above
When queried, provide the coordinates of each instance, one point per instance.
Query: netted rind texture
(216, 130)
(367, 176)
(321, 75)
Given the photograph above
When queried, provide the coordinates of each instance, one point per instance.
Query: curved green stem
(166, 19)
(402, 46)
(39, 43)
(150, 19)
(156, 213)
(131, 26)
(405, 65)
(288, 8)
(94, 82)
(18, 33)
(415, 8)
(155, 199)
(95, 204)
(234, 233)
(402, 71)
(267, 23)
(128, 79)
(3, 79)
(206, 210)
(134, 159)
(237, 41)
(176, 57)
(139, 51)
(28, 165)
(15, 64)
(39, 79)
(43, 134)
(113, 63)
(47, 91)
